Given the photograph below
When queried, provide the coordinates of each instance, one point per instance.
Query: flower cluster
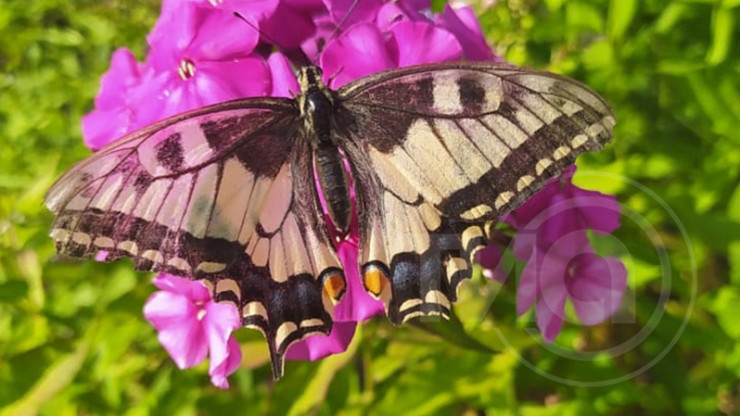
(201, 54)
(552, 237)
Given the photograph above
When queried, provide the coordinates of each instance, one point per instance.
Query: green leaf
(56, 378)
(451, 331)
(13, 290)
(723, 27)
(313, 395)
(726, 306)
(621, 14)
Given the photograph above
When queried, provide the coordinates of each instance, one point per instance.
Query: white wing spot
(210, 267)
(254, 308)
(229, 285)
(469, 234)
(283, 332)
(476, 212)
(524, 182)
(542, 165)
(503, 199)
(59, 234)
(454, 265)
(179, 263)
(153, 255)
(81, 238)
(595, 129)
(561, 152)
(412, 315)
(435, 296)
(446, 94)
(129, 247)
(410, 303)
(579, 141)
(307, 323)
(104, 242)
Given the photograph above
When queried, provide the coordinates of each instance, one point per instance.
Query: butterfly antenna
(296, 56)
(337, 28)
(252, 25)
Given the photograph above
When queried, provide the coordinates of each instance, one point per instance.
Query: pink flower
(561, 208)
(551, 236)
(568, 270)
(191, 66)
(192, 326)
(490, 258)
(463, 23)
(113, 116)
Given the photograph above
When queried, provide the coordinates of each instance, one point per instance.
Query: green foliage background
(73, 341)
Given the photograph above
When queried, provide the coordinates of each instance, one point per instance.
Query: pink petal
(307, 6)
(363, 11)
(314, 45)
(356, 305)
(194, 290)
(101, 127)
(284, 83)
(416, 4)
(358, 52)
(393, 12)
(533, 208)
(288, 26)
(180, 331)
(415, 43)
(220, 372)
(550, 312)
(213, 27)
(526, 291)
(222, 81)
(599, 212)
(464, 24)
(490, 258)
(172, 34)
(319, 346)
(219, 321)
(124, 71)
(597, 288)
(561, 218)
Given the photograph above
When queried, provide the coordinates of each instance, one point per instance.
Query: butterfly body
(228, 193)
(317, 108)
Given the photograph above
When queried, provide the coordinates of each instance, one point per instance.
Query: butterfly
(231, 193)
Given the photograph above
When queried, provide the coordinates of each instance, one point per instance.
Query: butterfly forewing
(448, 149)
(225, 194)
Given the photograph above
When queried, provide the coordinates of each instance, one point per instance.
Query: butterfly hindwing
(448, 149)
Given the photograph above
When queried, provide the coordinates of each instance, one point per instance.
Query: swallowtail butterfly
(227, 193)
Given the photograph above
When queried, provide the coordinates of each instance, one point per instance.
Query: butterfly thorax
(317, 105)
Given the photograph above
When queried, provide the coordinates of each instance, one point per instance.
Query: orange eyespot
(375, 280)
(334, 285)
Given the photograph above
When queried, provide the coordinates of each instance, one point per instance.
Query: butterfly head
(310, 77)
(316, 102)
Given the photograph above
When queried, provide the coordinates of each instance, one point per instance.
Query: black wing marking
(225, 194)
(450, 148)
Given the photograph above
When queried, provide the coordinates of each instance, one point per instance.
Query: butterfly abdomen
(332, 177)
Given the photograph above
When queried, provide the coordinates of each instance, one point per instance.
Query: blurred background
(73, 340)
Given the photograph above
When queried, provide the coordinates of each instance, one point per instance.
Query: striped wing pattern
(225, 195)
(441, 152)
